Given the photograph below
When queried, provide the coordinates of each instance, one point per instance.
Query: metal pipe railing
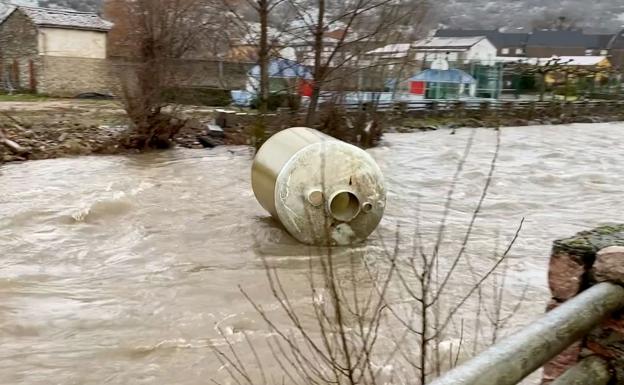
(519, 355)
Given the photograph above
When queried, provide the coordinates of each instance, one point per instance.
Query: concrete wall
(65, 76)
(72, 43)
(18, 49)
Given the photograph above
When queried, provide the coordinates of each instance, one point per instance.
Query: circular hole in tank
(344, 206)
(367, 207)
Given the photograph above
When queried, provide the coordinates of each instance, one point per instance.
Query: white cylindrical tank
(324, 191)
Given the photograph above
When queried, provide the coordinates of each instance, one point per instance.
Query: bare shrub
(149, 37)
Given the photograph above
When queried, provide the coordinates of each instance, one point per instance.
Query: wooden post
(33, 76)
(16, 74)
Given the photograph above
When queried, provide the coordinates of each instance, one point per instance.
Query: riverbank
(408, 125)
(64, 128)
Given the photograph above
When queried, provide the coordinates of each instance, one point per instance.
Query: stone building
(54, 52)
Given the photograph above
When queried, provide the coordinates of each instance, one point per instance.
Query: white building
(455, 50)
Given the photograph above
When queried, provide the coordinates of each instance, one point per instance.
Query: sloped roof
(62, 18)
(391, 51)
(448, 42)
(391, 48)
(583, 60)
(503, 40)
(498, 39)
(463, 32)
(563, 60)
(598, 41)
(444, 76)
(551, 39)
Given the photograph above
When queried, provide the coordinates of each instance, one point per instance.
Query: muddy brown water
(119, 270)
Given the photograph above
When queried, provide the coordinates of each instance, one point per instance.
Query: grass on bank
(23, 98)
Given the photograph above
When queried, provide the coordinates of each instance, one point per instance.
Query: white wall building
(455, 50)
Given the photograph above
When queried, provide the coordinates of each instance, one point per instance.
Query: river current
(121, 269)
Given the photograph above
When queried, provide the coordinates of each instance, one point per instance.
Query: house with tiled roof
(54, 51)
(507, 44)
(539, 43)
(455, 49)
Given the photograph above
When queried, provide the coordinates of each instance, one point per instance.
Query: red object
(417, 88)
(305, 88)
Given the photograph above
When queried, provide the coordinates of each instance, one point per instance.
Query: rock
(76, 147)
(215, 131)
(207, 141)
(565, 275)
(562, 362)
(609, 265)
(63, 137)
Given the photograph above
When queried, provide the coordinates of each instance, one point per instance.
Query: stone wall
(18, 49)
(577, 263)
(210, 73)
(68, 76)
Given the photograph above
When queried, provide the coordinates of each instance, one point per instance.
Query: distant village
(67, 53)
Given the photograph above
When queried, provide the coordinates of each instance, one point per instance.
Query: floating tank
(322, 190)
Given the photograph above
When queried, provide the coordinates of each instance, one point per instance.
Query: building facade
(507, 44)
(455, 50)
(55, 52)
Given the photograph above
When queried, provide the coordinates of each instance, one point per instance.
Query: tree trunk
(263, 55)
(319, 69)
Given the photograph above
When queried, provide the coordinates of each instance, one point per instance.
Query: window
(519, 51)
(505, 51)
(589, 52)
(604, 52)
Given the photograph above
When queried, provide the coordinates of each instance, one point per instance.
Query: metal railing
(494, 105)
(514, 358)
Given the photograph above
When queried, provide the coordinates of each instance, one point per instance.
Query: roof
(503, 40)
(463, 32)
(551, 39)
(283, 68)
(62, 18)
(498, 39)
(539, 38)
(598, 41)
(582, 60)
(448, 42)
(390, 48)
(391, 51)
(444, 76)
(564, 60)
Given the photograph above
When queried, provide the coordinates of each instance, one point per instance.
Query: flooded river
(119, 270)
